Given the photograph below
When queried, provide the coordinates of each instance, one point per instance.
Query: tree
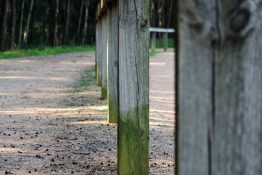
(85, 22)
(28, 21)
(21, 23)
(3, 25)
(13, 24)
(80, 19)
(219, 82)
(67, 22)
(54, 9)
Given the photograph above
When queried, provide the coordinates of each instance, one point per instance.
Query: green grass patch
(69, 104)
(160, 43)
(44, 51)
(88, 79)
(153, 53)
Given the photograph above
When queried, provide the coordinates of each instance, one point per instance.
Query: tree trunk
(169, 14)
(3, 25)
(21, 23)
(219, 82)
(13, 24)
(80, 21)
(54, 9)
(133, 129)
(85, 20)
(112, 75)
(28, 21)
(67, 22)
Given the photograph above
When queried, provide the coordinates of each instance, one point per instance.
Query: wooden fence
(218, 84)
(219, 87)
(122, 69)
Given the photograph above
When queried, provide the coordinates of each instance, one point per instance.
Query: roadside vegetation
(87, 79)
(44, 51)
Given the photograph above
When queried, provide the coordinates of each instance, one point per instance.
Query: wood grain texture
(104, 57)
(99, 52)
(195, 84)
(237, 142)
(133, 129)
(112, 90)
(219, 111)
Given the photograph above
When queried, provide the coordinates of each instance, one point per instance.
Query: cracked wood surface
(219, 87)
(133, 131)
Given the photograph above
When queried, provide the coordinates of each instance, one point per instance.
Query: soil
(46, 127)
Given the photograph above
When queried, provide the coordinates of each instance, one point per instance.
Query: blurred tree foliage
(30, 23)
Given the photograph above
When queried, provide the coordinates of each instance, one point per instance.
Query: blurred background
(28, 24)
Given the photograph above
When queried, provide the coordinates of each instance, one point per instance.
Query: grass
(44, 51)
(88, 79)
(160, 43)
(153, 53)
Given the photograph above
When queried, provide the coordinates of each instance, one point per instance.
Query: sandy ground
(48, 128)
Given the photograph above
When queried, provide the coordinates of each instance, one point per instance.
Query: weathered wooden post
(104, 56)
(133, 129)
(99, 52)
(219, 82)
(99, 46)
(153, 41)
(112, 75)
(165, 41)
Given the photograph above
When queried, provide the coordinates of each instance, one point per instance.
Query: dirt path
(162, 114)
(46, 127)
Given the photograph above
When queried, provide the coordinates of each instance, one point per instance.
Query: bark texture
(219, 82)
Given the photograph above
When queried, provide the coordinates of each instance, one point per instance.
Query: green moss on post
(133, 142)
(104, 58)
(99, 51)
(133, 121)
(112, 75)
(98, 79)
(112, 112)
(103, 93)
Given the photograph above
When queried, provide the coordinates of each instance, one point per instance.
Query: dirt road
(47, 127)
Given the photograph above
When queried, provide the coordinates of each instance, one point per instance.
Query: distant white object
(161, 30)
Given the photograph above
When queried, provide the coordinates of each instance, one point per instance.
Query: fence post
(99, 53)
(104, 57)
(165, 41)
(133, 129)
(112, 90)
(153, 41)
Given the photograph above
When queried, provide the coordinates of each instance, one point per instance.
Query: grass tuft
(88, 79)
